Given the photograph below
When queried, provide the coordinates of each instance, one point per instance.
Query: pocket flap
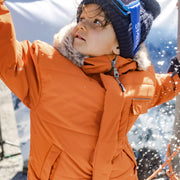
(52, 156)
(140, 105)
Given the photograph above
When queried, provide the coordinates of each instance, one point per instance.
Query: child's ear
(116, 50)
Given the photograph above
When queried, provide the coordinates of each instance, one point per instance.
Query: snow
(41, 19)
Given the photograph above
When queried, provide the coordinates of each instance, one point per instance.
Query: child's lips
(78, 36)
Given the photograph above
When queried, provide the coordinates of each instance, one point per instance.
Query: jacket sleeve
(18, 62)
(167, 87)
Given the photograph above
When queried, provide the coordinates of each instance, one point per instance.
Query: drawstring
(116, 73)
(170, 172)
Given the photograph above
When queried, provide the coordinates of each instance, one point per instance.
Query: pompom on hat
(122, 24)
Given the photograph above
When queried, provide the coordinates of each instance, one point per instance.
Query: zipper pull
(116, 74)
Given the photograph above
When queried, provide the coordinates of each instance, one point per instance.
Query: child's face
(91, 36)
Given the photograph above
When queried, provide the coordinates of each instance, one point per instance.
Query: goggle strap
(136, 25)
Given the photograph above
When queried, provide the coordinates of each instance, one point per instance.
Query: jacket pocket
(140, 105)
(124, 163)
(50, 161)
(131, 156)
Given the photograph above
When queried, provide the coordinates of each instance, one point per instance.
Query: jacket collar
(63, 41)
(103, 64)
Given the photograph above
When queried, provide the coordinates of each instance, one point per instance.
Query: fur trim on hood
(63, 42)
(142, 58)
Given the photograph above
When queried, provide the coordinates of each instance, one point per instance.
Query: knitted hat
(149, 10)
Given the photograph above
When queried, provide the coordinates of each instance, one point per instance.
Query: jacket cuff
(2, 2)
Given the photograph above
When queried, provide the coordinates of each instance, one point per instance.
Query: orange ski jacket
(80, 117)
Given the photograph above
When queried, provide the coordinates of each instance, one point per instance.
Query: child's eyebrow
(100, 16)
(99, 13)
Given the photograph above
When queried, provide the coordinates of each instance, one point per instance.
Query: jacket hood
(63, 42)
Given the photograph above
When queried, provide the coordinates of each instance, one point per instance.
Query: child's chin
(80, 50)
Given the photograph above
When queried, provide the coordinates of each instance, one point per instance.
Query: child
(86, 92)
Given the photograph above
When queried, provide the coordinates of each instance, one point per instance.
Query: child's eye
(98, 22)
(81, 19)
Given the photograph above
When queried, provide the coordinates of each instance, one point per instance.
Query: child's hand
(175, 66)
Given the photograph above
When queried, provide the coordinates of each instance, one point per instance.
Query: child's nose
(82, 25)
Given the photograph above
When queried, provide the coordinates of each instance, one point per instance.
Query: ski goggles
(132, 8)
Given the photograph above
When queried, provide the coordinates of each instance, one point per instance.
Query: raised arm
(167, 87)
(18, 61)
